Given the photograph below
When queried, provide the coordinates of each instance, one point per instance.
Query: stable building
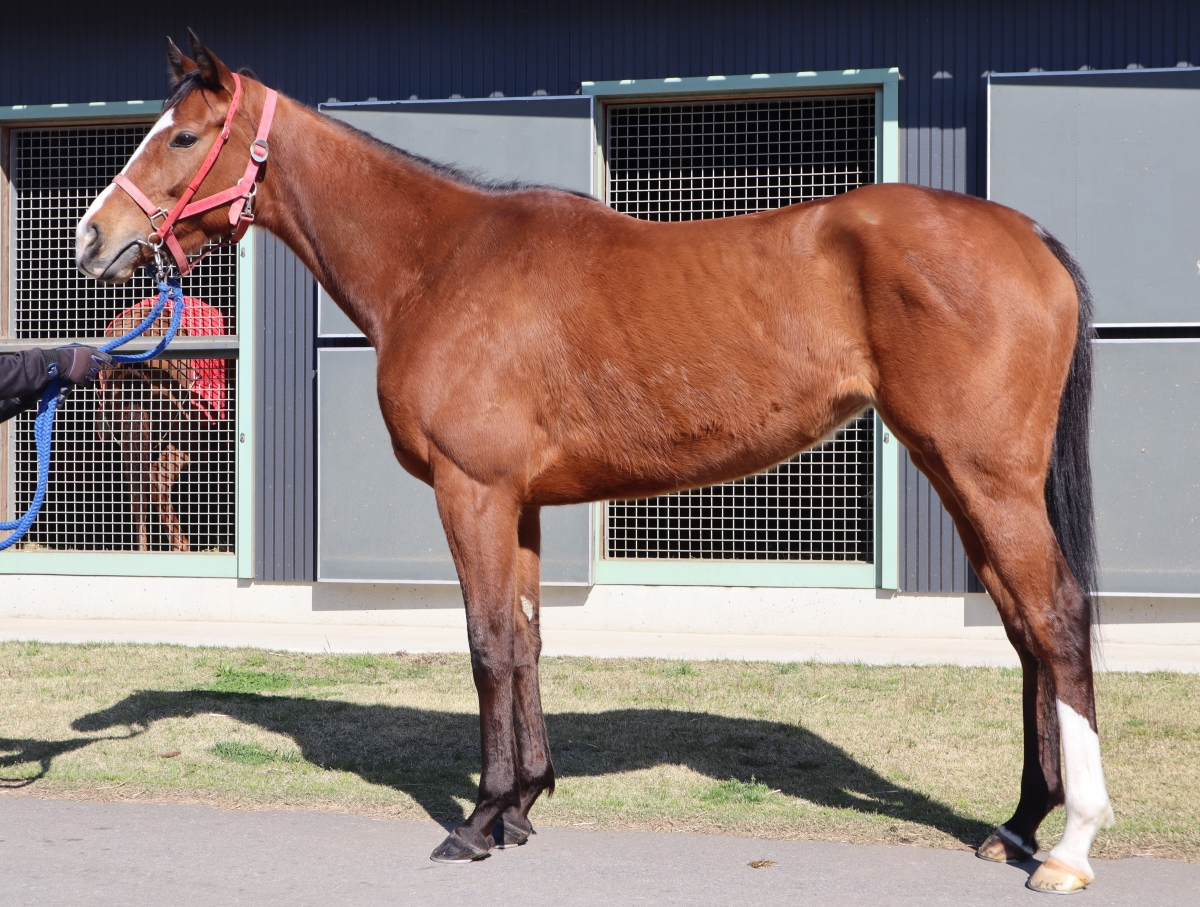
(247, 476)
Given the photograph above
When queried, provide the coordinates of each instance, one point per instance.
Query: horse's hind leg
(1055, 623)
(1048, 616)
(1041, 775)
(535, 770)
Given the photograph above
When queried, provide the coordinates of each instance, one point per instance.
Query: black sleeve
(13, 405)
(23, 376)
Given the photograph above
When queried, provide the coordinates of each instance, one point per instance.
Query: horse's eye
(183, 140)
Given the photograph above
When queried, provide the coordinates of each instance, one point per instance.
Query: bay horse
(537, 348)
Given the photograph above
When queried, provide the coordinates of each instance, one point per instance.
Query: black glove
(77, 364)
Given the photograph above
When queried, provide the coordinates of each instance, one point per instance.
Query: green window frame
(240, 563)
(884, 572)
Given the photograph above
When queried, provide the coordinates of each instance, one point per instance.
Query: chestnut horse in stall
(166, 405)
(538, 348)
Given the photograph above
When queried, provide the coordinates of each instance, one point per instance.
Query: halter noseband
(239, 197)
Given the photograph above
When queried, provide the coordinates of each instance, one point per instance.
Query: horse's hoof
(457, 850)
(1002, 846)
(514, 835)
(1056, 877)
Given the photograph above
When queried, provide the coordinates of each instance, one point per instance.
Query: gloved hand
(78, 364)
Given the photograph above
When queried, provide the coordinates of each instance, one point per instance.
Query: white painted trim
(1146, 324)
(1147, 340)
(1146, 594)
(1088, 72)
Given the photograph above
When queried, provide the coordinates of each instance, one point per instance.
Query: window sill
(118, 563)
(735, 573)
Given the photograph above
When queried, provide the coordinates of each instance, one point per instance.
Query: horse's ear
(215, 74)
(179, 64)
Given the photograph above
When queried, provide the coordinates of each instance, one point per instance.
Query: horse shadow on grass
(432, 755)
(23, 751)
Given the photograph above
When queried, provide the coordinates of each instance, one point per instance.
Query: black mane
(193, 80)
(458, 175)
(188, 83)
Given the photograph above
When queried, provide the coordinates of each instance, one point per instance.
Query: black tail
(1069, 483)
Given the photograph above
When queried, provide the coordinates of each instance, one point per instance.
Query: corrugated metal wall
(931, 554)
(285, 446)
(359, 49)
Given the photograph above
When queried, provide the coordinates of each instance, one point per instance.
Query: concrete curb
(596, 643)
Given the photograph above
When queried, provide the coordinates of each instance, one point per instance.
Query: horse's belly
(659, 463)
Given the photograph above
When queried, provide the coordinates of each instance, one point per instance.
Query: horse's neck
(365, 221)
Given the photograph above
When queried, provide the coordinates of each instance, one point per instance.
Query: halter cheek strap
(239, 196)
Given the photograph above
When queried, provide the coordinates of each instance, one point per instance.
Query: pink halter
(239, 196)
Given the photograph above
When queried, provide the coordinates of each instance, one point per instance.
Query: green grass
(236, 680)
(735, 791)
(802, 750)
(249, 753)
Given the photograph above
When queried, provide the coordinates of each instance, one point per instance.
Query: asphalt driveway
(55, 852)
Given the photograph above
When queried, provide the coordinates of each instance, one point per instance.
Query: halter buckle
(259, 149)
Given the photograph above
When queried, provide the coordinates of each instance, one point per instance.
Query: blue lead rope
(43, 425)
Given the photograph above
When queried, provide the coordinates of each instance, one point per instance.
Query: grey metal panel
(1107, 162)
(376, 522)
(284, 506)
(545, 141)
(1145, 435)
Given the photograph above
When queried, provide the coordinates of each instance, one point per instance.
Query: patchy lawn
(829, 752)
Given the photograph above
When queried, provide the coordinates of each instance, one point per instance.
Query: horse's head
(114, 238)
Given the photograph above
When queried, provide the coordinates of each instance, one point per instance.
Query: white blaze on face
(527, 607)
(166, 121)
(85, 222)
(1088, 807)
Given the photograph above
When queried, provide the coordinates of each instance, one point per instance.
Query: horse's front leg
(481, 528)
(133, 434)
(164, 474)
(535, 770)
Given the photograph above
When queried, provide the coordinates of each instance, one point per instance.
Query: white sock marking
(1088, 807)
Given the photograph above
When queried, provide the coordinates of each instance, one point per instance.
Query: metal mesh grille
(145, 462)
(815, 507)
(136, 466)
(715, 158)
(56, 175)
(700, 159)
